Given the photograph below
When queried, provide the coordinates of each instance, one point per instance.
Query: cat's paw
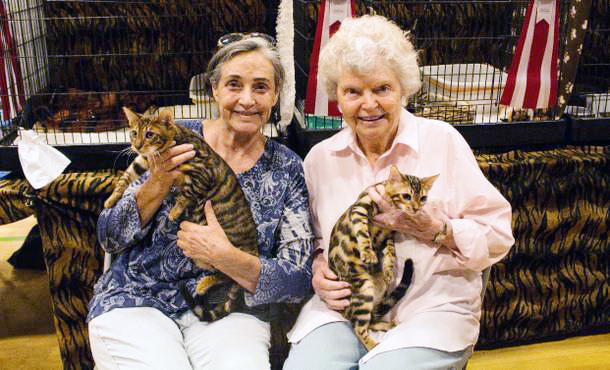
(174, 213)
(388, 276)
(110, 201)
(205, 283)
(369, 343)
(368, 257)
(381, 325)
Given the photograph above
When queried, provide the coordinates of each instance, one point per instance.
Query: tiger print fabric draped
(67, 211)
(554, 282)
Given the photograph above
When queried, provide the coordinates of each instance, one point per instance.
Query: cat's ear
(166, 116)
(394, 174)
(428, 181)
(132, 117)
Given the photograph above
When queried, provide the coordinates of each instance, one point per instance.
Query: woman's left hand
(206, 244)
(427, 224)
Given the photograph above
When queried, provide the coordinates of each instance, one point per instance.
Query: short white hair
(360, 43)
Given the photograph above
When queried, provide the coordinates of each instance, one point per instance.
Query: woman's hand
(209, 245)
(427, 224)
(206, 244)
(163, 174)
(332, 291)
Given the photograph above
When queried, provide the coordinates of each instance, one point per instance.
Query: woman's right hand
(163, 174)
(163, 171)
(333, 292)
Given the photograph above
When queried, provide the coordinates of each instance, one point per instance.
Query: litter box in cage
(463, 82)
(200, 98)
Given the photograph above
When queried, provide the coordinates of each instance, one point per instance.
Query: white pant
(144, 338)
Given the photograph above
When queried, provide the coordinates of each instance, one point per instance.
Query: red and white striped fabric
(331, 13)
(11, 83)
(532, 79)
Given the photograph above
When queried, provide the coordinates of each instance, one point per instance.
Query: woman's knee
(136, 338)
(418, 358)
(238, 341)
(331, 346)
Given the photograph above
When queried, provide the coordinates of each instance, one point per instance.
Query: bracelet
(441, 234)
(316, 252)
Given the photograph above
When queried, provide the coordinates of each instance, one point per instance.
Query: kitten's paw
(174, 213)
(110, 201)
(369, 344)
(368, 257)
(382, 325)
(388, 276)
(205, 283)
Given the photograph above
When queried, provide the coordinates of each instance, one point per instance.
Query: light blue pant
(334, 346)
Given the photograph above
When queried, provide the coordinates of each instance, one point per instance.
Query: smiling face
(371, 103)
(246, 92)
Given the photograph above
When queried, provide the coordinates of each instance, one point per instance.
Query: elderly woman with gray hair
(370, 66)
(139, 318)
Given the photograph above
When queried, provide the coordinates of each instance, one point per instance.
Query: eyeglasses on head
(229, 38)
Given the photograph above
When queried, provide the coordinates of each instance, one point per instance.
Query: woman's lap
(335, 347)
(144, 337)
(136, 338)
(238, 341)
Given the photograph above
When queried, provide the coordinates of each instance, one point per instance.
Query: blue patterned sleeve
(287, 276)
(119, 227)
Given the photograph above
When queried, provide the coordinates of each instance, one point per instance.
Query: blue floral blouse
(148, 266)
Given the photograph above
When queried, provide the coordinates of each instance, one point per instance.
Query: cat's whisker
(123, 152)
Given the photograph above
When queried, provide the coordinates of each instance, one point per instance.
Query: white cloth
(442, 307)
(41, 163)
(144, 338)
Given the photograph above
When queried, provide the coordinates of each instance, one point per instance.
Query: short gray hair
(359, 43)
(229, 51)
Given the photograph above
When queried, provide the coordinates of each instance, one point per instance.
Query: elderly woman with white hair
(370, 66)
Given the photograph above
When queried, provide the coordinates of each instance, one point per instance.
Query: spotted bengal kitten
(363, 254)
(206, 176)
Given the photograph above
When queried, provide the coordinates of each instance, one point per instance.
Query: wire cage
(591, 97)
(73, 64)
(465, 51)
(70, 65)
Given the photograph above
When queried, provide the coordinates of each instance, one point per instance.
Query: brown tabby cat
(206, 176)
(363, 254)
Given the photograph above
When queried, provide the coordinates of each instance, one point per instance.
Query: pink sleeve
(482, 226)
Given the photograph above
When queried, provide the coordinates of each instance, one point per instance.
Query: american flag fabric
(532, 78)
(330, 15)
